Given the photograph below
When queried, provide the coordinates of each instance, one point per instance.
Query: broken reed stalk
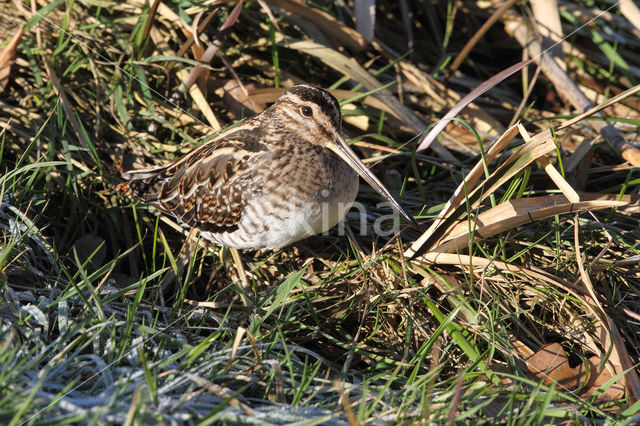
(567, 88)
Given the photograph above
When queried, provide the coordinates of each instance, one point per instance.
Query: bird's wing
(209, 187)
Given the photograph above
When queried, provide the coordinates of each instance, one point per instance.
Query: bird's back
(208, 187)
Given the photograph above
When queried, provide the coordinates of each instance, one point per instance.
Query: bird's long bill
(341, 148)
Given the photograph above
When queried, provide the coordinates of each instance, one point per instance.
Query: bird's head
(317, 113)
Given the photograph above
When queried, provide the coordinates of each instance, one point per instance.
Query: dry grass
(340, 329)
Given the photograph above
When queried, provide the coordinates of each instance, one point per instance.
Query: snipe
(279, 177)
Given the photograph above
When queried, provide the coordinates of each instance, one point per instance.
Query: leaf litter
(519, 271)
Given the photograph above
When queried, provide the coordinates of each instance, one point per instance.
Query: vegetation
(520, 306)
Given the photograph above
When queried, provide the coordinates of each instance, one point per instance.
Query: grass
(340, 329)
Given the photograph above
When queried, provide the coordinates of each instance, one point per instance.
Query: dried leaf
(551, 362)
(360, 121)
(328, 24)
(617, 356)
(236, 100)
(568, 90)
(547, 19)
(475, 93)
(541, 144)
(195, 92)
(351, 68)
(597, 378)
(270, 94)
(7, 55)
(514, 213)
(629, 9)
(445, 97)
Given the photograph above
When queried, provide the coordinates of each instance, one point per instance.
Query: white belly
(302, 223)
(265, 225)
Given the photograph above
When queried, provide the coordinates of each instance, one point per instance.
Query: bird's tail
(141, 182)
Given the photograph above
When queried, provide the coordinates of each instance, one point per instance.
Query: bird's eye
(306, 111)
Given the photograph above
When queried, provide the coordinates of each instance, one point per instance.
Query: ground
(520, 306)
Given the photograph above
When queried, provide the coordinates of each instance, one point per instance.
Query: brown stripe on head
(325, 100)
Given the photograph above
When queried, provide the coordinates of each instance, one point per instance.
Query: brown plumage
(278, 177)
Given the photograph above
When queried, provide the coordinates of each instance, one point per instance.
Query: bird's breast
(300, 195)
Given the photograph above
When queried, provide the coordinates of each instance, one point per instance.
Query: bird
(276, 178)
